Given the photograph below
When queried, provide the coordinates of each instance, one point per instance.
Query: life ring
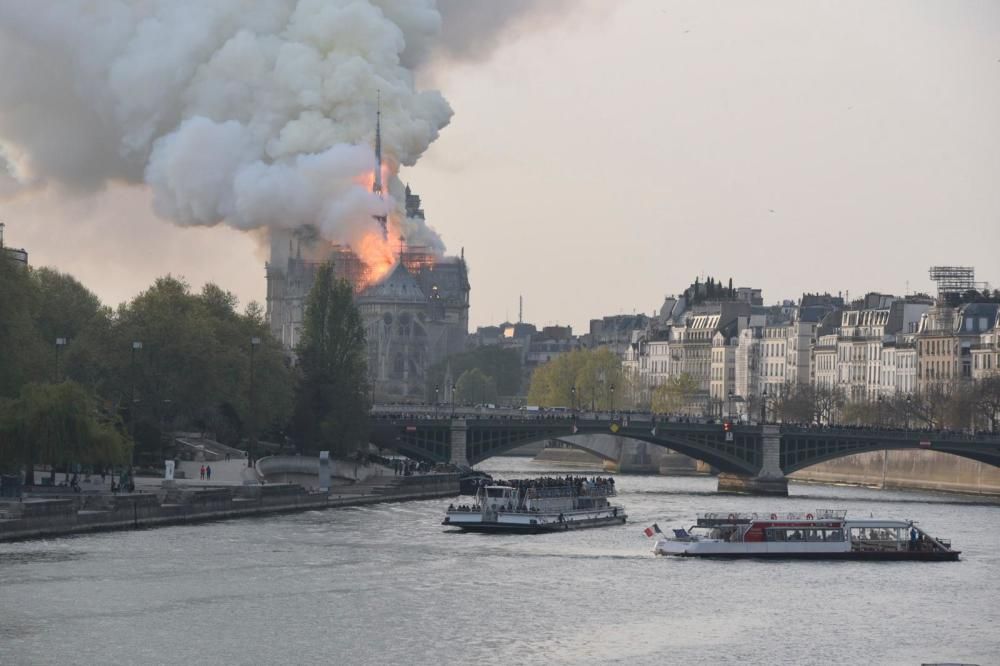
(809, 516)
(753, 516)
(774, 516)
(732, 516)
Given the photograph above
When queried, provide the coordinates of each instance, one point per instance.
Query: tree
(674, 395)
(796, 403)
(58, 424)
(193, 369)
(859, 412)
(503, 365)
(988, 401)
(331, 404)
(22, 354)
(475, 387)
(595, 374)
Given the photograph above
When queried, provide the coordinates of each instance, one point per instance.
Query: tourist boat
(539, 505)
(826, 535)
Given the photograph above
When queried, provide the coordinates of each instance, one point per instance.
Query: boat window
(798, 534)
(496, 492)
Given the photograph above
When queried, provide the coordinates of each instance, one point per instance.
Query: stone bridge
(754, 458)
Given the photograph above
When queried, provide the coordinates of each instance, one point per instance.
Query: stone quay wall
(33, 517)
(913, 469)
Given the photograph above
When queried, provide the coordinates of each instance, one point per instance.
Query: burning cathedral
(414, 303)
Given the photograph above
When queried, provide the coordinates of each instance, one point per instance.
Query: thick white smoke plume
(255, 113)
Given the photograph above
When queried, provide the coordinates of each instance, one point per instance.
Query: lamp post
(136, 346)
(453, 387)
(60, 343)
(763, 407)
(572, 393)
(437, 390)
(612, 400)
(909, 398)
(254, 341)
(729, 405)
(878, 400)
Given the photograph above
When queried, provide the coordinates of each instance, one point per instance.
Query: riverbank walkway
(49, 511)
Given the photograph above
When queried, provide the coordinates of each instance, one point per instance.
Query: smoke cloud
(254, 113)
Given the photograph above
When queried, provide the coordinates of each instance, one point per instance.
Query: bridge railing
(894, 433)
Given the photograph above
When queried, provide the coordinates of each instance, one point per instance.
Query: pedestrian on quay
(208, 472)
(202, 473)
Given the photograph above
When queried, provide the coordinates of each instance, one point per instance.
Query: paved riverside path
(53, 513)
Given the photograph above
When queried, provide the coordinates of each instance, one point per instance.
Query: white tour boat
(539, 505)
(821, 534)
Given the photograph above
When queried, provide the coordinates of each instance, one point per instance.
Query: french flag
(650, 531)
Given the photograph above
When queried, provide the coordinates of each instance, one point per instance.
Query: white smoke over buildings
(254, 113)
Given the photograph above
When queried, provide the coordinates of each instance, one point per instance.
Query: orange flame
(375, 253)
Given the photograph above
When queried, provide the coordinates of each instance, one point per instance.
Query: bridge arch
(801, 452)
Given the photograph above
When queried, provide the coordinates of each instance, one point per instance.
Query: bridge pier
(458, 444)
(769, 480)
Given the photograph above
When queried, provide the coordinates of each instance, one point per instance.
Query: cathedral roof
(398, 286)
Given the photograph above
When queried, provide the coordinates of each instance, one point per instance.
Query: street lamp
(763, 407)
(254, 341)
(453, 387)
(878, 400)
(909, 398)
(60, 343)
(572, 392)
(136, 346)
(612, 400)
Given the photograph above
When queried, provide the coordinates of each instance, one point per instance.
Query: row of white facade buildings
(741, 354)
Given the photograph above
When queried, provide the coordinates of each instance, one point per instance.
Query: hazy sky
(602, 160)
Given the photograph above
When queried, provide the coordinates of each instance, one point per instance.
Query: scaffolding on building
(955, 280)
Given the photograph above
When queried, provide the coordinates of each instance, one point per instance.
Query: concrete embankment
(655, 461)
(568, 456)
(916, 470)
(37, 517)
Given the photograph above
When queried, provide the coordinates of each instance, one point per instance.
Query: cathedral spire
(377, 182)
(377, 185)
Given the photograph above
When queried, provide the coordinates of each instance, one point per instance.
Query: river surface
(387, 584)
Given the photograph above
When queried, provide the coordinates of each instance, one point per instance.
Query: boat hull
(898, 556)
(537, 528)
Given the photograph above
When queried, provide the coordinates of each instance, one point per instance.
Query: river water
(387, 584)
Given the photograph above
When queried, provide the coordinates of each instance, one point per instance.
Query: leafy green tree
(595, 375)
(193, 367)
(503, 365)
(475, 387)
(22, 353)
(191, 371)
(675, 394)
(331, 403)
(58, 424)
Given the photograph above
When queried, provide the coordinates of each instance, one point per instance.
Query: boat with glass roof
(821, 534)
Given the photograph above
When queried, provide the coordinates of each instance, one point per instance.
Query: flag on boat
(575, 429)
(650, 531)
(653, 431)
